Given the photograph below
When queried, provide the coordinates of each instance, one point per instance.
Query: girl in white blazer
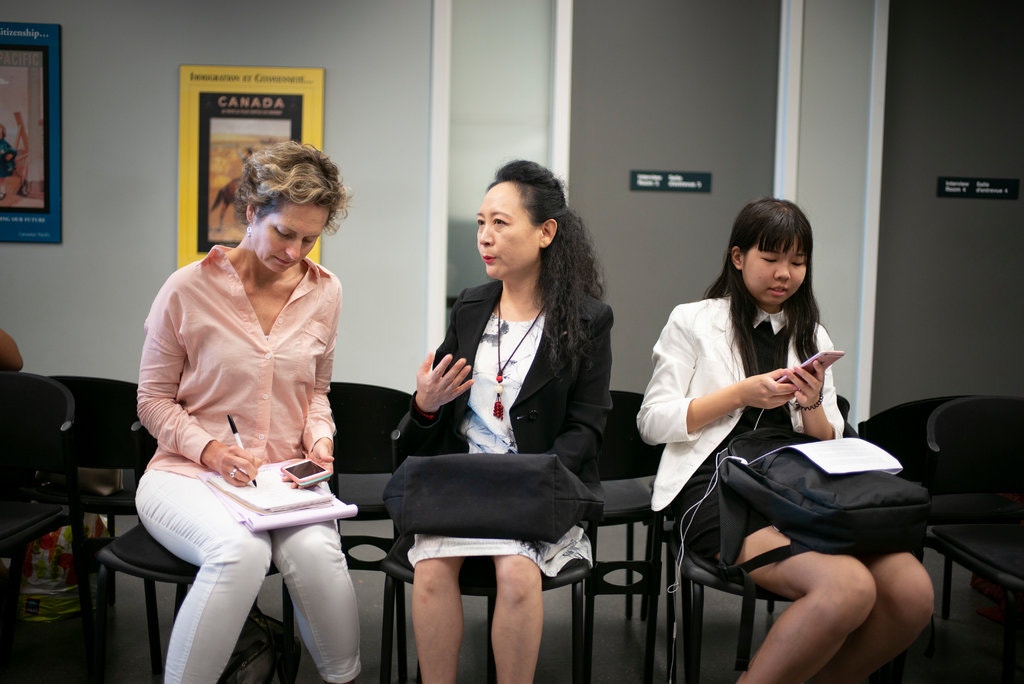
(729, 363)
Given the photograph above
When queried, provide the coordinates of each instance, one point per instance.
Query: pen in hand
(238, 440)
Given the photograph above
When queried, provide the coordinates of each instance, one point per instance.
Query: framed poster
(226, 113)
(30, 191)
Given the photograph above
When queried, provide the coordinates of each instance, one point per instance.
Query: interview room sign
(986, 188)
(670, 181)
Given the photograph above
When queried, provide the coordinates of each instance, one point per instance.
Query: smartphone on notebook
(305, 473)
(827, 358)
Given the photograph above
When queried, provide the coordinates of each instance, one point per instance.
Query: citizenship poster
(225, 114)
(30, 178)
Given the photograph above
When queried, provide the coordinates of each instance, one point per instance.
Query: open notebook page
(273, 495)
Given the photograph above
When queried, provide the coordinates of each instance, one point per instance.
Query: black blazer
(557, 411)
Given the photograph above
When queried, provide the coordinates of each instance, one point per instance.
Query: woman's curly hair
(291, 172)
(569, 270)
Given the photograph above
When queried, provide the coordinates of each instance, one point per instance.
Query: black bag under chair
(859, 513)
(259, 655)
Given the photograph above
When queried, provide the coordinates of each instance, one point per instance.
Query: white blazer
(695, 355)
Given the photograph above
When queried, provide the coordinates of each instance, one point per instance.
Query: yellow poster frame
(198, 80)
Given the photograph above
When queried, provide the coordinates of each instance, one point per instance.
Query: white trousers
(183, 514)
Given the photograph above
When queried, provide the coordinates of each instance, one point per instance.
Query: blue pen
(238, 440)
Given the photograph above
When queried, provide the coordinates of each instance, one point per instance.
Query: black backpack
(863, 513)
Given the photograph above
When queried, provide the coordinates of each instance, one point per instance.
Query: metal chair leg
(156, 659)
(1010, 618)
(288, 621)
(492, 669)
(629, 573)
(100, 656)
(401, 638)
(577, 633)
(387, 630)
(10, 606)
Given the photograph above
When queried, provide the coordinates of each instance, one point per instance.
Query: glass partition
(501, 104)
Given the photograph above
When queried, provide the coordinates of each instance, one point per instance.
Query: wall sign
(670, 181)
(30, 136)
(986, 188)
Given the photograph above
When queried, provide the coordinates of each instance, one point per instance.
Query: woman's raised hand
(437, 385)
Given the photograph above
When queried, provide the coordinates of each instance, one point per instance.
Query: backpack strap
(733, 517)
(741, 574)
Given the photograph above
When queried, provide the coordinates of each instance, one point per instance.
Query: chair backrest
(902, 431)
(365, 416)
(36, 420)
(144, 447)
(400, 442)
(104, 412)
(624, 455)
(976, 445)
(844, 408)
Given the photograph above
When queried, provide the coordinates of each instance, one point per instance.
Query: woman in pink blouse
(249, 332)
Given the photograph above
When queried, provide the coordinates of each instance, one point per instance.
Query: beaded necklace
(499, 408)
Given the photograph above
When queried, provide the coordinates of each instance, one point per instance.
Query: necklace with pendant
(499, 408)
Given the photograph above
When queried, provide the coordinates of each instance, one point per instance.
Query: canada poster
(230, 113)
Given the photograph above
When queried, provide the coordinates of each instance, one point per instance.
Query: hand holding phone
(305, 473)
(827, 358)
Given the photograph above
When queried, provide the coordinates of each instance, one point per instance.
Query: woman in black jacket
(524, 368)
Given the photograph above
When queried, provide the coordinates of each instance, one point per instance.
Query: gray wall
(656, 84)
(669, 85)
(949, 313)
(79, 307)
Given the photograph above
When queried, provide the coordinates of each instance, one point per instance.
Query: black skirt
(696, 514)
(696, 508)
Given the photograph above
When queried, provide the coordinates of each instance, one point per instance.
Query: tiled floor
(968, 646)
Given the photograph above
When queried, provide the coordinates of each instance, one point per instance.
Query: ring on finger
(232, 473)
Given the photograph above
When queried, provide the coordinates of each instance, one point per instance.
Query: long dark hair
(771, 225)
(569, 269)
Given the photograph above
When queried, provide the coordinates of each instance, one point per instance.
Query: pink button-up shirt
(205, 356)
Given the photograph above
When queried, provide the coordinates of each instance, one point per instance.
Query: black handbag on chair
(501, 496)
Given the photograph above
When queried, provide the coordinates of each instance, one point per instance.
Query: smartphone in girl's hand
(827, 358)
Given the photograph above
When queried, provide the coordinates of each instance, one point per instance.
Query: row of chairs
(98, 428)
(959, 447)
(55, 426)
(37, 417)
(969, 459)
(92, 434)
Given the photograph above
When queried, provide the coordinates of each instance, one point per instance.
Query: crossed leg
(848, 617)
